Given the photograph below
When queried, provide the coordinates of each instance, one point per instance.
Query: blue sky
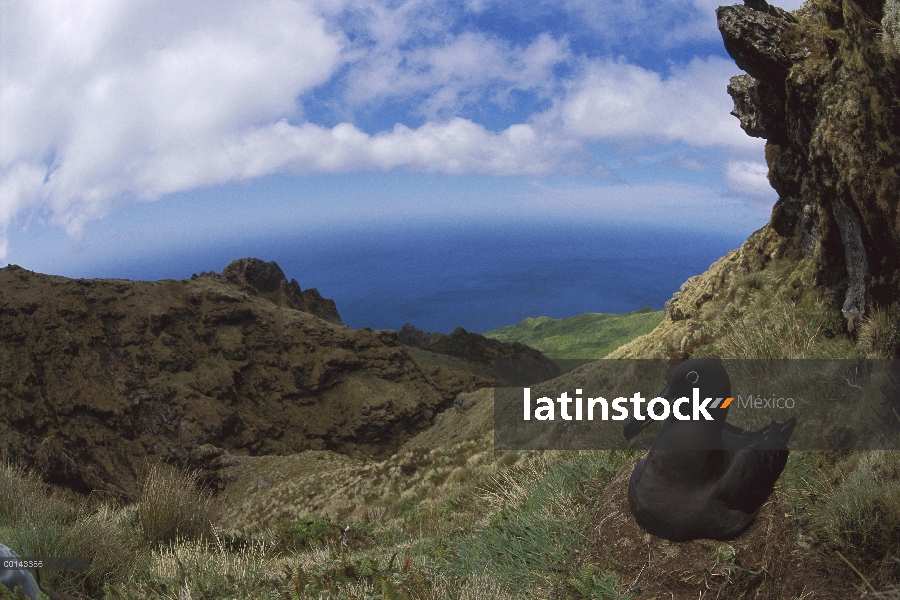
(131, 129)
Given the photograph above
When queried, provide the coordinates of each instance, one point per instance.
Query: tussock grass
(21, 493)
(863, 515)
(755, 280)
(470, 538)
(37, 522)
(536, 517)
(778, 328)
(7, 594)
(104, 535)
(879, 332)
(171, 507)
(204, 569)
(525, 521)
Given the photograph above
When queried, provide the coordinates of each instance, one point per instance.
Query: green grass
(519, 530)
(591, 335)
(171, 507)
(450, 518)
(862, 517)
(516, 534)
(536, 525)
(39, 522)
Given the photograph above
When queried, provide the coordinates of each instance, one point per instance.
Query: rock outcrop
(823, 88)
(520, 364)
(417, 338)
(98, 376)
(268, 280)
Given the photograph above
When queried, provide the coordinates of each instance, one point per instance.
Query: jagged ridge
(97, 376)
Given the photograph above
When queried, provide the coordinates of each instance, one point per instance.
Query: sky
(131, 128)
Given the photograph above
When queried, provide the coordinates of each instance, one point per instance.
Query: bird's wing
(751, 476)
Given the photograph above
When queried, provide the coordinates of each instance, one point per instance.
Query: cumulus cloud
(96, 92)
(461, 70)
(749, 178)
(619, 101)
(104, 102)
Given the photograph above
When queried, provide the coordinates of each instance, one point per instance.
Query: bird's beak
(634, 427)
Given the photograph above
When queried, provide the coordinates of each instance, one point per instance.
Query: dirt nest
(763, 562)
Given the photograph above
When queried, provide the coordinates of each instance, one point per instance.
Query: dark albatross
(704, 479)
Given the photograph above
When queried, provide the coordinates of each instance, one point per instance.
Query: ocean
(476, 276)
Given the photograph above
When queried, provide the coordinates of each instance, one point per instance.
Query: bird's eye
(693, 377)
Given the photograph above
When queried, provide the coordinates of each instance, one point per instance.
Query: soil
(766, 561)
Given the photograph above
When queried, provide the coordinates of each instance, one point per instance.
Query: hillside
(821, 88)
(591, 335)
(475, 353)
(438, 513)
(98, 377)
(446, 516)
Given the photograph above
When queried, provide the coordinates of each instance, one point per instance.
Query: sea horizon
(475, 275)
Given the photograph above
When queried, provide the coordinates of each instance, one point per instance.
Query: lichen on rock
(822, 93)
(822, 87)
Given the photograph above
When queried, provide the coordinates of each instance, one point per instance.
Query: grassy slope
(449, 517)
(591, 335)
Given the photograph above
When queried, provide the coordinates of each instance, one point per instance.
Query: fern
(585, 583)
(591, 585)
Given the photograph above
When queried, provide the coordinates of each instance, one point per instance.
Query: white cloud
(104, 102)
(460, 70)
(749, 179)
(109, 88)
(456, 146)
(20, 186)
(621, 101)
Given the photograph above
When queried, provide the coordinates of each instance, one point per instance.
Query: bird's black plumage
(704, 479)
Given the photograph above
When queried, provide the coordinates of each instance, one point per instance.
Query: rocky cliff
(821, 86)
(98, 376)
(267, 279)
